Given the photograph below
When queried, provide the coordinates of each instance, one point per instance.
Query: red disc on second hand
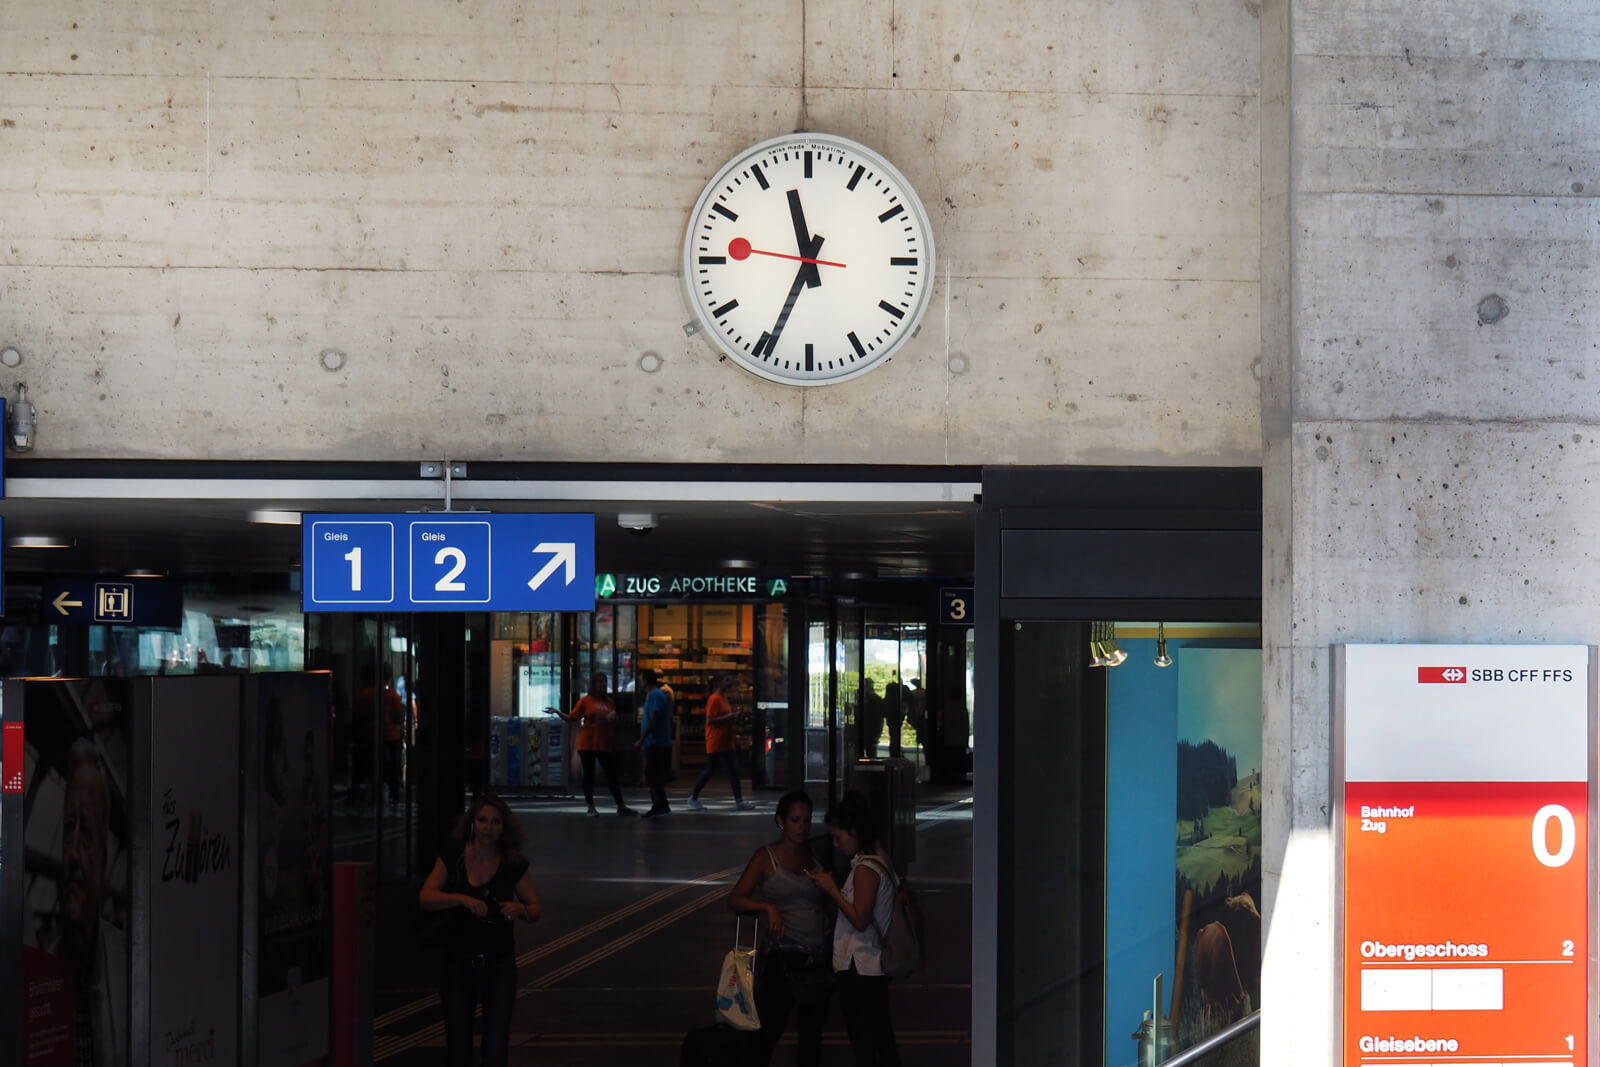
(739, 248)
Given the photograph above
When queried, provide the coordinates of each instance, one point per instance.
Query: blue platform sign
(125, 602)
(469, 561)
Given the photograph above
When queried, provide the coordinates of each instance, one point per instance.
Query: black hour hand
(802, 240)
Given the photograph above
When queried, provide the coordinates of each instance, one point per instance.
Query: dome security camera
(639, 522)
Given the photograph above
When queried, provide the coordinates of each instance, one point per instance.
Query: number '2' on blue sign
(450, 562)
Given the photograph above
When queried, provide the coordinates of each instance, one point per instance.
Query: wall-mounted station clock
(808, 259)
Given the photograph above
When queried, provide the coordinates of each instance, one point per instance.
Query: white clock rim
(686, 266)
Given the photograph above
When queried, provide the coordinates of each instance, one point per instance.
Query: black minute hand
(769, 342)
(802, 238)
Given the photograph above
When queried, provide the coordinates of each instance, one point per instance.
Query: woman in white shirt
(866, 907)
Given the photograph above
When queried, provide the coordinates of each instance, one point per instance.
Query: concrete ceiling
(872, 529)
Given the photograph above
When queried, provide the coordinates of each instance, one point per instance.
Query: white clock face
(808, 259)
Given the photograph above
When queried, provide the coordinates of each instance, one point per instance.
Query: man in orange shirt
(596, 717)
(720, 748)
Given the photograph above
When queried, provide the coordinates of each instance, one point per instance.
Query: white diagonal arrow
(566, 552)
(61, 603)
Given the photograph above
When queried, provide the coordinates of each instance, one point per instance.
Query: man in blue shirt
(655, 740)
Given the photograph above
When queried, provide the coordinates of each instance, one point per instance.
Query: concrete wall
(1429, 472)
(479, 207)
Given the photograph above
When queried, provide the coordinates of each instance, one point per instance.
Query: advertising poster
(194, 869)
(75, 902)
(1218, 969)
(294, 864)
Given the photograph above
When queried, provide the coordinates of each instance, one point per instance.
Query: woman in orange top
(596, 716)
(720, 748)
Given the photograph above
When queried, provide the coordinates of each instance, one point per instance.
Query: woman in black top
(482, 872)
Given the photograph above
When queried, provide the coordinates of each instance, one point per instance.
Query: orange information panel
(1466, 856)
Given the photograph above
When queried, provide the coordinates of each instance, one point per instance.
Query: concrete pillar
(1429, 398)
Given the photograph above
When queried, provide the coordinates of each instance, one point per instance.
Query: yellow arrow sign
(61, 603)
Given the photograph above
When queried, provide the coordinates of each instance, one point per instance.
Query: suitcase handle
(755, 928)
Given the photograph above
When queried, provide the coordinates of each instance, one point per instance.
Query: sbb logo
(1442, 674)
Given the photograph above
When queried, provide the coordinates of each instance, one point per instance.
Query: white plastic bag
(736, 992)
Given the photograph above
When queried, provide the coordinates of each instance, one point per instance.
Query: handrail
(1195, 1053)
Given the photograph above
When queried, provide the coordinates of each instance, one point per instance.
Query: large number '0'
(448, 583)
(1569, 835)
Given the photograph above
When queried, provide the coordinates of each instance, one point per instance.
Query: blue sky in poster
(1219, 699)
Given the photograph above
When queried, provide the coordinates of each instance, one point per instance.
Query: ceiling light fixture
(270, 517)
(39, 541)
(1113, 653)
(1097, 653)
(1162, 659)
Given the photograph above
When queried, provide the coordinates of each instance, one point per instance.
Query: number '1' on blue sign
(441, 562)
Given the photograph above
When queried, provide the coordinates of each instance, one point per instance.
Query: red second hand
(740, 249)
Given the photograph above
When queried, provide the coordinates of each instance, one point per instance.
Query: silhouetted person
(97, 950)
(655, 741)
(894, 711)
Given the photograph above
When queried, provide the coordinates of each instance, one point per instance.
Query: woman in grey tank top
(796, 974)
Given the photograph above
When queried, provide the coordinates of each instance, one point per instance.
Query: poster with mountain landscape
(1218, 883)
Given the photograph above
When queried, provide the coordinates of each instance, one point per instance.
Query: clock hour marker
(895, 261)
(755, 172)
(763, 344)
(808, 163)
(891, 213)
(809, 360)
(729, 215)
(860, 170)
(712, 261)
(855, 343)
(891, 309)
(718, 313)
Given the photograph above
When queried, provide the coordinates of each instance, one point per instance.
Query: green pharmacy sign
(689, 587)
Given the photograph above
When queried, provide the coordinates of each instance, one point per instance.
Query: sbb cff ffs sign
(1465, 853)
